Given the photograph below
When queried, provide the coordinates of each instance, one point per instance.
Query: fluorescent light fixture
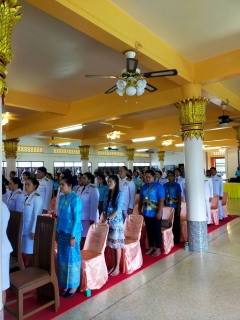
(179, 145)
(141, 150)
(106, 148)
(64, 144)
(71, 128)
(144, 139)
(210, 148)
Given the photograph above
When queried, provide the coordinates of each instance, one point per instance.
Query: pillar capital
(10, 148)
(8, 18)
(161, 155)
(130, 154)
(84, 152)
(237, 129)
(192, 117)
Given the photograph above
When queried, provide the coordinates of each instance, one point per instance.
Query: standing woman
(152, 200)
(106, 174)
(55, 185)
(102, 188)
(89, 195)
(112, 212)
(15, 200)
(68, 236)
(32, 207)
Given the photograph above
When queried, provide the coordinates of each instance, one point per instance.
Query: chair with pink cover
(136, 198)
(132, 253)
(183, 222)
(93, 268)
(214, 210)
(167, 234)
(135, 209)
(224, 205)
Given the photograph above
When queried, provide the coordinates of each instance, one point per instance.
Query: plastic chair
(41, 276)
(93, 268)
(224, 205)
(183, 223)
(214, 210)
(14, 233)
(167, 235)
(132, 253)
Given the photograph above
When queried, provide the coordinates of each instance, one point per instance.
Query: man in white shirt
(127, 186)
(181, 182)
(218, 190)
(208, 189)
(164, 174)
(26, 175)
(45, 188)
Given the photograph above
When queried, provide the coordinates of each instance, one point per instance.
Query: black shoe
(70, 295)
(208, 224)
(224, 219)
(62, 294)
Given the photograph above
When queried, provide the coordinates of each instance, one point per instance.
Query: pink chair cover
(132, 253)
(183, 222)
(214, 210)
(135, 209)
(224, 204)
(137, 198)
(93, 268)
(167, 235)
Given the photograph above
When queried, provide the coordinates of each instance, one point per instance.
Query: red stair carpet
(68, 304)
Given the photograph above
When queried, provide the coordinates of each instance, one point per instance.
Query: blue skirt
(69, 261)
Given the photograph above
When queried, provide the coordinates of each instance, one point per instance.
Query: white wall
(171, 158)
(231, 156)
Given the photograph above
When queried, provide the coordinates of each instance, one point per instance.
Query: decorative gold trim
(10, 147)
(84, 151)
(130, 154)
(192, 117)
(237, 129)
(27, 149)
(111, 153)
(161, 155)
(66, 151)
(141, 155)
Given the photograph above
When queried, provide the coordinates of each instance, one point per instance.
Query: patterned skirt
(68, 261)
(115, 237)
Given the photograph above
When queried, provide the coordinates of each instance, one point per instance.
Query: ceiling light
(64, 144)
(113, 135)
(106, 148)
(167, 143)
(4, 118)
(179, 145)
(71, 128)
(141, 150)
(143, 139)
(222, 149)
(210, 148)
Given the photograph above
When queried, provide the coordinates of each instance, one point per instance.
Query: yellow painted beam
(35, 103)
(105, 22)
(125, 123)
(222, 67)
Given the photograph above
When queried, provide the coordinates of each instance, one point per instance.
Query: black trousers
(153, 227)
(176, 228)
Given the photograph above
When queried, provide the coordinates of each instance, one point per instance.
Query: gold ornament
(161, 155)
(10, 148)
(237, 129)
(130, 154)
(8, 18)
(192, 117)
(84, 151)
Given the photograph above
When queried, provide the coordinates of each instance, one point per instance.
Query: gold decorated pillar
(237, 129)
(192, 118)
(10, 148)
(161, 155)
(130, 158)
(84, 152)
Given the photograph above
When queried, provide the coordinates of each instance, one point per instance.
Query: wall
(174, 158)
(231, 156)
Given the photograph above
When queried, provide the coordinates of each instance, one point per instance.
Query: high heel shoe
(62, 294)
(70, 295)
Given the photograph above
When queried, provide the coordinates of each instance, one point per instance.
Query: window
(141, 164)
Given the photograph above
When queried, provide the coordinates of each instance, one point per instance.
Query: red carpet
(67, 304)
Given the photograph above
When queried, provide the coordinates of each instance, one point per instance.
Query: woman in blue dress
(68, 236)
(112, 211)
(103, 189)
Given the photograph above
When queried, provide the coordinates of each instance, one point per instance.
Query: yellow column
(84, 152)
(161, 155)
(130, 158)
(10, 148)
(192, 118)
(237, 129)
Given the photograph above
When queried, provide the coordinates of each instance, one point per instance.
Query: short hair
(213, 168)
(124, 167)
(89, 176)
(13, 172)
(171, 172)
(42, 169)
(27, 173)
(151, 172)
(177, 169)
(17, 181)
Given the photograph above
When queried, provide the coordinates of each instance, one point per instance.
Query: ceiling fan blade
(131, 65)
(150, 88)
(111, 89)
(235, 120)
(99, 76)
(163, 73)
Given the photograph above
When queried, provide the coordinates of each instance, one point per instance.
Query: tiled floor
(182, 286)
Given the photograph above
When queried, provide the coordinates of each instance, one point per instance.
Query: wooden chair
(41, 276)
(14, 233)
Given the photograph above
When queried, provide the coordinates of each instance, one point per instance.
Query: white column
(130, 164)
(11, 166)
(84, 166)
(161, 165)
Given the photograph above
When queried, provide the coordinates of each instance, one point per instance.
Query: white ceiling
(197, 29)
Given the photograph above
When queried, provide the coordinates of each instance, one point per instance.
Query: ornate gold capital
(237, 129)
(8, 18)
(192, 117)
(84, 152)
(130, 154)
(161, 155)
(10, 148)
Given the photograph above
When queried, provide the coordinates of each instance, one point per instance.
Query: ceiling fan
(224, 119)
(110, 148)
(52, 144)
(132, 81)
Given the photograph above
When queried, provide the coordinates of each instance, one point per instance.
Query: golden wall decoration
(27, 149)
(192, 117)
(10, 148)
(141, 155)
(111, 153)
(84, 151)
(130, 154)
(66, 151)
(161, 155)
(8, 18)
(237, 129)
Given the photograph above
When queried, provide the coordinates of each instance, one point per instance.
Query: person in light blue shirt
(151, 202)
(137, 180)
(237, 173)
(68, 237)
(103, 189)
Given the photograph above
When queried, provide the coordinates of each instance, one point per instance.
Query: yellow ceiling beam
(125, 123)
(218, 68)
(57, 141)
(35, 103)
(105, 22)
